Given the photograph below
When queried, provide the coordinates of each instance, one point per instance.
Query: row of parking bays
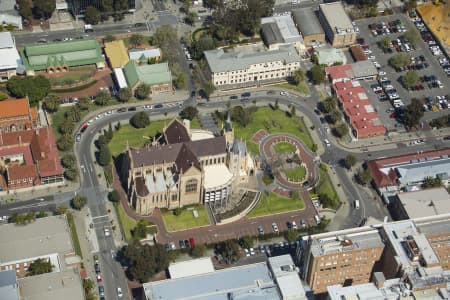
(391, 88)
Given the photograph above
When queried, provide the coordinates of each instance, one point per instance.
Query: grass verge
(325, 187)
(185, 219)
(271, 203)
(107, 170)
(126, 223)
(135, 137)
(272, 121)
(284, 147)
(74, 235)
(302, 87)
(296, 174)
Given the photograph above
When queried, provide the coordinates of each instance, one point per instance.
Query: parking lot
(429, 69)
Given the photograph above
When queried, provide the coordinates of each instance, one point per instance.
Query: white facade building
(251, 65)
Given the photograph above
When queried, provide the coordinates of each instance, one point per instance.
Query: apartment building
(343, 257)
(251, 65)
(337, 24)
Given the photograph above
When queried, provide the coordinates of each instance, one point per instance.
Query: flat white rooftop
(216, 176)
(425, 203)
(191, 267)
(200, 134)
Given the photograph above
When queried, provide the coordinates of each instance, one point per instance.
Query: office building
(343, 257)
(251, 65)
(337, 24)
(10, 56)
(309, 26)
(286, 276)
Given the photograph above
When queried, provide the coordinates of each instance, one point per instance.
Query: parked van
(317, 219)
(357, 204)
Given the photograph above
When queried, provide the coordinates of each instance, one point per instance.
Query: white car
(148, 107)
(327, 142)
(382, 73)
(247, 253)
(275, 227)
(294, 225)
(119, 292)
(252, 251)
(372, 57)
(282, 93)
(107, 233)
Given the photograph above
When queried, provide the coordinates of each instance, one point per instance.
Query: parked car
(260, 230)
(275, 228)
(119, 292)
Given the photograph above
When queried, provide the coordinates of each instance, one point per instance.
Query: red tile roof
(389, 178)
(358, 53)
(22, 172)
(14, 107)
(339, 72)
(358, 109)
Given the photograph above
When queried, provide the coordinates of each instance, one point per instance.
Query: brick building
(16, 114)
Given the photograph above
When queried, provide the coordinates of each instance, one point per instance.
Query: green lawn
(135, 137)
(325, 186)
(284, 147)
(272, 121)
(296, 174)
(302, 87)
(126, 223)
(195, 124)
(273, 203)
(186, 219)
(74, 235)
(69, 78)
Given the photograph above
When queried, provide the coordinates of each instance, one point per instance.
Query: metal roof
(148, 74)
(417, 170)
(248, 282)
(285, 25)
(191, 267)
(307, 21)
(241, 58)
(271, 33)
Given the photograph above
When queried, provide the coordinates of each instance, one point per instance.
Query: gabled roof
(149, 74)
(176, 132)
(22, 172)
(307, 21)
(186, 159)
(147, 53)
(117, 53)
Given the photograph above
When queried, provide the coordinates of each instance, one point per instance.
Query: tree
(136, 39)
(326, 200)
(204, 43)
(69, 161)
(242, 116)
(78, 202)
(61, 210)
(229, 250)
(246, 242)
(299, 76)
(144, 260)
(334, 116)
(41, 214)
(140, 231)
(71, 174)
(208, 88)
(39, 266)
(181, 81)
(329, 104)
(350, 160)
(186, 6)
(142, 91)
(66, 127)
(431, 182)
(364, 176)
(341, 130)
(102, 140)
(73, 114)
(91, 15)
(25, 9)
(124, 94)
(36, 88)
(317, 74)
(84, 103)
(109, 38)
(140, 120)
(414, 113)
(189, 113)
(102, 98)
(399, 60)
(22, 219)
(413, 36)
(109, 134)
(410, 79)
(44, 8)
(104, 156)
(65, 142)
(385, 42)
(166, 37)
(114, 196)
(198, 250)
(51, 103)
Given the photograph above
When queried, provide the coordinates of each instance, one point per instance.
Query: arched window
(191, 186)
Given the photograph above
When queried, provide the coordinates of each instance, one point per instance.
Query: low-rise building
(9, 15)
(361, 70)
(152, 55)
(391, 174)
(60, 56)
(358, 109)
(17, 115)
(337, 24)
(10, 56)
(285, 273)
(8, 285)
(46, 238)
(358, 53)
(309, 26)
(280, 30)
(254, 281)
(421, 203)
(330, 56)
(117, 55)
(157, 76)
(251, 65)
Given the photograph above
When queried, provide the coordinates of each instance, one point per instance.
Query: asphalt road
(46, 203)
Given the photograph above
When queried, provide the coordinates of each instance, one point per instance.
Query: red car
(99, 278)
